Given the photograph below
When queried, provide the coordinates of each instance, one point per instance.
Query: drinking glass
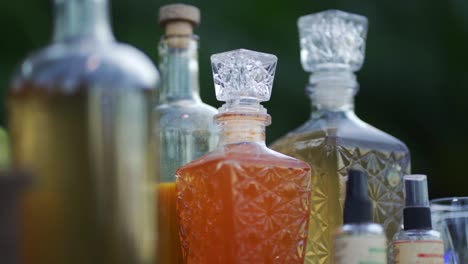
(450, 218)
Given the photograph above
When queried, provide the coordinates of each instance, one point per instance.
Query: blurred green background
(414, 83)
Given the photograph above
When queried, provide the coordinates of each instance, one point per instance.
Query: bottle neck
(242, 128)
(332, 91)
(82, 20)
(178, 56)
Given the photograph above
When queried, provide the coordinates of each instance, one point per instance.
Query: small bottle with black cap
(417, 242)
(359, 240)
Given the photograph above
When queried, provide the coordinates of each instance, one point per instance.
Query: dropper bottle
(417, 242)
(359, 240)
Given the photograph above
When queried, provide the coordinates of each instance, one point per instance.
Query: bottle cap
(358, 206)
(417, 214)
(332, 39)
(416, 191)
(243, 78)
(179, 12)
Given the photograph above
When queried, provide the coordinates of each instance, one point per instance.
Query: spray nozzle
(417, 213)
(416, 191)
(358, 206)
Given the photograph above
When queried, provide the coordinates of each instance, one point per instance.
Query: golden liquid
(330, 160)
(244, 206)
(170, 251)
(78, 210)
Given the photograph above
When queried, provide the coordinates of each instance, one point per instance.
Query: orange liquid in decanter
(244, 204)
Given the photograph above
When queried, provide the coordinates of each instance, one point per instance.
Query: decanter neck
(332, 91)
(178, 56)
(242, 128)
(82, 20)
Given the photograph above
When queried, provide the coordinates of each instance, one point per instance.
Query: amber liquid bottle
(334, 139)
(243, 203)
(185, 124)
(80, 120)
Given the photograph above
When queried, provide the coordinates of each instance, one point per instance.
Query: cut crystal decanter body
(185, 124)
(80, 122)
(334, 139)
(243, 203)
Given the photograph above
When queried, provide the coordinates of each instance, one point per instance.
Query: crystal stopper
(243, 74)
(332, 39)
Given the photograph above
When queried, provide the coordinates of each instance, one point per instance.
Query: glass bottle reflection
(80, 121)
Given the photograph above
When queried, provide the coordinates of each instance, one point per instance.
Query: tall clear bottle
(185, 124)
(334, 139)
(242, 202)
(79, 113)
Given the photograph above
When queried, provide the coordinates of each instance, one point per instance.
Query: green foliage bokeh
(414, 82)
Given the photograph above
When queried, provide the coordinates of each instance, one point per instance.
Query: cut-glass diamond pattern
(248, 213)
(243, 74)
(332, 39)
(330, 161)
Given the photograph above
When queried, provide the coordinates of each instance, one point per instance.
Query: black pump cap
(417, 213)
(358, 206)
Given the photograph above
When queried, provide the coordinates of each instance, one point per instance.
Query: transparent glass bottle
(242, 202)
(334, 139)
(185, 124)
(80, 114)
(417, 242)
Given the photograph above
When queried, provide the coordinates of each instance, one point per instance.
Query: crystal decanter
(243, 203)
(185, 124)
(334, 139)
(79, 113)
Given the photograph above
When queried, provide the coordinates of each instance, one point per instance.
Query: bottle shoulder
(346, 129)
(186, 114)
(247, 155)
(71, 66)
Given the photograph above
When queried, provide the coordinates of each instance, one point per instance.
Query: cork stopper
(179, 19)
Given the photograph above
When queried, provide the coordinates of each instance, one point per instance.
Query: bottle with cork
(185, 126)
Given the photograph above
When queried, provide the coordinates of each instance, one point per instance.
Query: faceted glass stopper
(332, 40)
(243, 74)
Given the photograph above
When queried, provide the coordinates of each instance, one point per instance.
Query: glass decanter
(185, 124)
(243, 203)
(80, 115)
(334, 139)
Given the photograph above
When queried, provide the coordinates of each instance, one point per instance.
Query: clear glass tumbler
(450, 218)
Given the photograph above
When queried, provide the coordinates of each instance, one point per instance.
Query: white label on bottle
(361, 250)
(418, 252)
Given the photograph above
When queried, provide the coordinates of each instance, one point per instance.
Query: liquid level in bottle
(77, 210)
(244, 207)
(169, 250)
(331, 158)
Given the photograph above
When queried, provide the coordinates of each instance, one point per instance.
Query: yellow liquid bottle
(334, 139)
(80, 115)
